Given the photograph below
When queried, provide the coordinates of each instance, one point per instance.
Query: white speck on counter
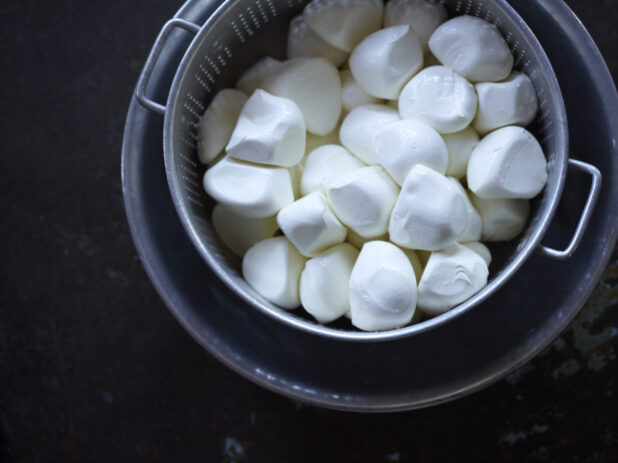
(539, 428)
(233, 450)
(568, 368)
(395, 456)
(598, 360)
(513, 437)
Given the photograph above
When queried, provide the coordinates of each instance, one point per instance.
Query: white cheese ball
(343, 23)
(272, 267)
(399, 146)
(358, 127)
(325, 283)
(480, 249)
(217, 123)
(473, 48)
(460, 146)
(304, 43)
(270, 130)
(310, 224)
(450, 277)
(509, 102)
(385, 60)
(474, 223)
(503, 219)
(382, 288)
(440, 98)
(507, 163)
(325, 164)
(363, 200)
(254, 77)
(251, 190)
(423, 16)
(314, 85)
(240, 232)
(429, 214)
(352, 94)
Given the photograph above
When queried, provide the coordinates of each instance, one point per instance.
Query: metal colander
(241, 32)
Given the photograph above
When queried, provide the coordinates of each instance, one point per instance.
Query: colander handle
(593, 195)
(142, 83)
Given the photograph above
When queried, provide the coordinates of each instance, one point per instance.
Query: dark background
(94, 368)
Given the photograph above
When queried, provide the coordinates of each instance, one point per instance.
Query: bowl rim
(290, 318)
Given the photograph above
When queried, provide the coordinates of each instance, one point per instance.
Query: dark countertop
(94, 368)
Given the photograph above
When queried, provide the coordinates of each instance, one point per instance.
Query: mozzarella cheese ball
(314, 85)
(382, 288)
(325, 282)
(450, 277)
(473, 48)
(240, 232)
(440, 98)
(363, 200)
(503, 219)
(399, 146)
(474, 223)
(460, 146)
(480, 249)
(272, 267)
(509, 102)
(218, 122)
(310, 224)
(507, 163)
(430, 212)
(323, 165)
(358, 127)
(304, 43)
(249, 189)
(270, 130)
(352, 94)
(422, 16)
(385, 60)
(254, 77)
(343, 23)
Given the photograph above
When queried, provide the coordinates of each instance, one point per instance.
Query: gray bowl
(466, 354)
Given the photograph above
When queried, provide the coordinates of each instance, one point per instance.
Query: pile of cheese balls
(386, 147)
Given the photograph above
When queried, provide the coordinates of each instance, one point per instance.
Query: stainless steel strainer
(239, 33)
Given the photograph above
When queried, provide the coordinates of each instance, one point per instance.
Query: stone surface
(93, 367)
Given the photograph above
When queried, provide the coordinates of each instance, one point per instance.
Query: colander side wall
(241, 32)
